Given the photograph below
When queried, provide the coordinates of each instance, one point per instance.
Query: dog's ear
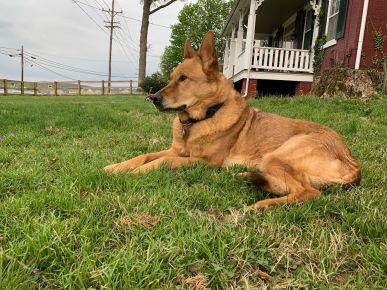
(189, 52)
(207, 53)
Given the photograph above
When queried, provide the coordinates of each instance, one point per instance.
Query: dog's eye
(182, 78)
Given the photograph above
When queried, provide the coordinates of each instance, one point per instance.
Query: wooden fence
(69, 88)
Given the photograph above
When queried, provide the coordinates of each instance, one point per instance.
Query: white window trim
(330, 43)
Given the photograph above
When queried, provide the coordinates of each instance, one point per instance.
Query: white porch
(262, 42)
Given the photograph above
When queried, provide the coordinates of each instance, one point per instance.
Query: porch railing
(282, 59)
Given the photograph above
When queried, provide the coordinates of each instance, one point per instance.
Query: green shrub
(153, 83)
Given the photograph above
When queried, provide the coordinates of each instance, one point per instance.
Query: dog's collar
(186, 125)
(211, 111)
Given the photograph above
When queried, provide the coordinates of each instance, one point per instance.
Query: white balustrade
(282, 59)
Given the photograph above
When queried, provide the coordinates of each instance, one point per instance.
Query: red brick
(303, 88)
(252, 92)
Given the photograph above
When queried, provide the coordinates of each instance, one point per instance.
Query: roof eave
(234, 7)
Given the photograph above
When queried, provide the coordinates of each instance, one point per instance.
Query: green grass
(66, 224)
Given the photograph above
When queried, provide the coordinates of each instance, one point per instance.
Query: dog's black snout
(157, 99)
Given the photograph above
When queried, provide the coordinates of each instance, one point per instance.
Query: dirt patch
(138, 219)
(197, 282)
(52, 130)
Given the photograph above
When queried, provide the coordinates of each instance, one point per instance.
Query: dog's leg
(298, 193)
(138, 161)
(278, 180)
(171, 161)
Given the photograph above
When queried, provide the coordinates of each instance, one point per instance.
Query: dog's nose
(157, 99)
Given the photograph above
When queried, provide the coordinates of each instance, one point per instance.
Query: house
(270, 43)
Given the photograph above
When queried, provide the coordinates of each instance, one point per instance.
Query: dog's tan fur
(290, 158)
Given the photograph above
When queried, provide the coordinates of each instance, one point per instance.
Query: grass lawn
(66, 224)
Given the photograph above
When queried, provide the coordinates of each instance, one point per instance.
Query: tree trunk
(144, 39)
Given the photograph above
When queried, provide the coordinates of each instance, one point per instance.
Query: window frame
(305, 31)
(329, 16)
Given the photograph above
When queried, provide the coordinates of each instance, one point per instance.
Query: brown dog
(290, 158)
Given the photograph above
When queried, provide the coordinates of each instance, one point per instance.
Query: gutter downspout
(249, 57)
(361, 35)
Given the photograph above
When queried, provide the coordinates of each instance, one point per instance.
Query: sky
(57, 32)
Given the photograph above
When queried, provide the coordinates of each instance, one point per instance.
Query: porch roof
(270, 15)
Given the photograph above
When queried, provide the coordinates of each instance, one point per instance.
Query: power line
(124, 16)
(87, 14)
(107, 5)
(42, 60)
(123, 37)
(9, 53)
(79, 58)
(102, 16)
(125, 20)
(151, 23)
(48, 64)
(124, 50)
(96, 2)
(59, 65)
(47, 69)
(9, 48)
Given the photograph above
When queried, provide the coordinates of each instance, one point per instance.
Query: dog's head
(195, 84)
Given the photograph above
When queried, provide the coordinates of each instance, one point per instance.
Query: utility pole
(22, 71)
(21, 54)
(112, 24)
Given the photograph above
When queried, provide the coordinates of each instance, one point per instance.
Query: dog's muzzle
(157, 100)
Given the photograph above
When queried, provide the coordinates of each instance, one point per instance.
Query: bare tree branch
(162, 6)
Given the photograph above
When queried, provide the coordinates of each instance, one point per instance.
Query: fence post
(79, 87)
(5, 87)
(130, 87)
(103, 87)
(55, 88)
(35, 88)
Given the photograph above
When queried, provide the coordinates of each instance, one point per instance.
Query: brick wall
(252, 91)
(303, 88)
(343, 53)
(376, 20)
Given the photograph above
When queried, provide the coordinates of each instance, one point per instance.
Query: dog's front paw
(257, 207)
(115, 168)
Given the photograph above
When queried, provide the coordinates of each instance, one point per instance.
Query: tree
(194, 21)
(146, 12)
(153, 83)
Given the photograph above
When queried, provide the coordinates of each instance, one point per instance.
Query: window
(308, 29)
(289, 33)
(333, 15)
(336, 16)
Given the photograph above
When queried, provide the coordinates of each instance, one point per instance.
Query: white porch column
(239, 34)
(316, 5)
(250, 34)
(226, 55)
(231, 59)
